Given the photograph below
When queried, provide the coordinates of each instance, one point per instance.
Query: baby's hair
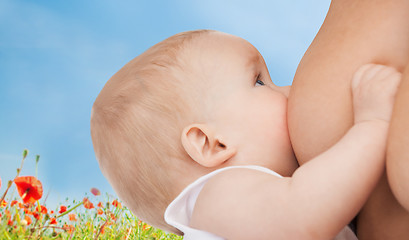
(136, 122)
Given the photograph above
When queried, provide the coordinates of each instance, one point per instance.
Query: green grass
(113, 223)
(95, 217)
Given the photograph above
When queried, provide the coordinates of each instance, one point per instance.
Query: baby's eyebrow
(254, 58)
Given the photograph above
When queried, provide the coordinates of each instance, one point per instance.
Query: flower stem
(66, 212)
(37, 159)
(25, 152)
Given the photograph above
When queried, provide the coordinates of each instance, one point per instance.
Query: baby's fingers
(365, 73)
(375, 74)
(374, 87)
(356, 79)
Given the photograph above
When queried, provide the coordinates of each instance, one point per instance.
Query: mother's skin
(397, 162)
(354, 32)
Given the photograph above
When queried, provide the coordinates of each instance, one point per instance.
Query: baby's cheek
(281, 123)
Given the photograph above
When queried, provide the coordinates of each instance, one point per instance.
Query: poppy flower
(37, 216)
(72, 217)
(146, 226)
(28, 212)
(99, 211)
(95, 191)
(68, 228)
(53, 221)
(100, 205)
(28, 219)
(14, 202)
(41, 209)
(29, 188)
(88, 204)
(117, 204)
(62, 209)
(3, 203)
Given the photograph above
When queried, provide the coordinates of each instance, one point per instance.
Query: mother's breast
(398, 152)
(353, 33)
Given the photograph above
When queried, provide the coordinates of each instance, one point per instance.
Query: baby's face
(248, 110)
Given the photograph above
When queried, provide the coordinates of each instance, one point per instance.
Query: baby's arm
(323, 195)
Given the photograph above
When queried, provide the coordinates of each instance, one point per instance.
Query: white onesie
(180, 210)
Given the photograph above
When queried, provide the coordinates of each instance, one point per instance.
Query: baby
(195, 127)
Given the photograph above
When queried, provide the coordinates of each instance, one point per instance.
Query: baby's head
(193, 103)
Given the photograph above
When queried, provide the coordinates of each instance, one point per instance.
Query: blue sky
(55, 57)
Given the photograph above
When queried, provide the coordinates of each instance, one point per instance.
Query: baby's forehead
(220, 49)
(220, 43)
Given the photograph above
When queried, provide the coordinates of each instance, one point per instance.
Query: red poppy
(52, 212)
(28, 212)
(99, 211)
(28, 219)
(37, 216)
(14, 202)
(62, 209)
(95, 191)
(146, 226)
(29, 188)
(72, 217)
(100, 205)
(117, 204)
(41, 209)
(68, 228)
(53, 221)
(3, 203)
(10, 222)
(88, 204)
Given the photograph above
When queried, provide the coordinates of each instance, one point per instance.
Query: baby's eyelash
(259, 81)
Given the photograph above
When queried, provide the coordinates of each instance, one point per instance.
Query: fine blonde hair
(136, 122)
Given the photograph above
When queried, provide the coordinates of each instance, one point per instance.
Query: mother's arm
(354, 32)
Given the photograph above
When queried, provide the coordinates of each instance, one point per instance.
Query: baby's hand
(373, 89)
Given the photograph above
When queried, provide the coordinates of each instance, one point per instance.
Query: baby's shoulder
(231, 177)
(232, 196)
(238, 178)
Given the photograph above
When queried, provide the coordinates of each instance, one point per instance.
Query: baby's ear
(200, 142)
